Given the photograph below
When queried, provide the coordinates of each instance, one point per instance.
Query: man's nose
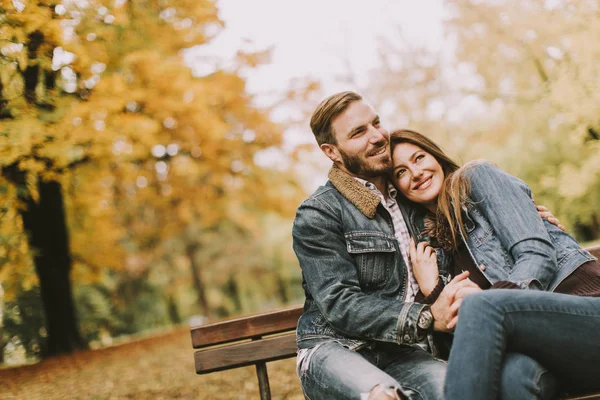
(376, 135)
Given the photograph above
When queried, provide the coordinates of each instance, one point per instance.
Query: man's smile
(379, 152)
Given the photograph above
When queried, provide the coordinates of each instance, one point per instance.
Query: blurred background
(153, 153)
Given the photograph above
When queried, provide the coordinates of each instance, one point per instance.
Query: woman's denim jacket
(506, 236)
(353, 273)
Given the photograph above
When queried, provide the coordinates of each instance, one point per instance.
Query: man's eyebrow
(361, 127)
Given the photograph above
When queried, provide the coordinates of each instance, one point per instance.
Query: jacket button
(482, 267)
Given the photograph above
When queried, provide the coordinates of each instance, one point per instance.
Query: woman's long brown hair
(455, 188)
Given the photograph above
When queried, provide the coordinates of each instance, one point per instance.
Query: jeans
(558, 331)
(332, 371)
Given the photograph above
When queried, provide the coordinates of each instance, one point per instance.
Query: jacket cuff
(407, 323)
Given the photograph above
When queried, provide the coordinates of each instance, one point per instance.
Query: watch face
(425, 319)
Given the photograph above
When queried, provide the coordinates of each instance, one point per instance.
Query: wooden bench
(253, 340)
(258, 339)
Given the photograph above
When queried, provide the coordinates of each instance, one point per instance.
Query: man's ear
(331, 152)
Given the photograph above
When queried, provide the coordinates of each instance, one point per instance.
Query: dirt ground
(156, 368)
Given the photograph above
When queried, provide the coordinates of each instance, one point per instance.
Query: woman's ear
(331, 152)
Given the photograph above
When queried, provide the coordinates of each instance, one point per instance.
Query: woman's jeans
(559, 331)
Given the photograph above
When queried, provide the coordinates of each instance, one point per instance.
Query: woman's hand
(547, 214)
(424, 265)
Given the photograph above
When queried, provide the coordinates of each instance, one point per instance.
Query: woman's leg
(525, 378)
(559, 331)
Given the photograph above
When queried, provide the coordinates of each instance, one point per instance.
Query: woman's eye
(400, 173)
(420, 157)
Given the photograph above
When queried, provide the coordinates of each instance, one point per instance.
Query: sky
(318, 39)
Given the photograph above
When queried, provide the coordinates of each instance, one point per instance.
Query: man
(361, 335)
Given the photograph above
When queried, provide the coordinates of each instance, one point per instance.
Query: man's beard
(358, 167)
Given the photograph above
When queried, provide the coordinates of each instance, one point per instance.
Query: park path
(160, 367)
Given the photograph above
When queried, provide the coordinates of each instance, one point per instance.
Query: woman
(488, 221)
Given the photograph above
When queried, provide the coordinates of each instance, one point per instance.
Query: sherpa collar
(359, 195)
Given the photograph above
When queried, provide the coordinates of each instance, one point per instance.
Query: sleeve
(505, 201)
(433, 296)
(330, 276)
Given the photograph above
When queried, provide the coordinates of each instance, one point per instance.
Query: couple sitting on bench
(396, 252)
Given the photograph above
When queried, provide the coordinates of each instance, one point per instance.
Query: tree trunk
(45, 223)
(233, 290)
(197, 278)
(278, 269)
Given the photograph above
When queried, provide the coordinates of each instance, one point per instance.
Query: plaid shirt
(400, 231)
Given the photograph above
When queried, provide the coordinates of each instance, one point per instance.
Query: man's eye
(376, 123)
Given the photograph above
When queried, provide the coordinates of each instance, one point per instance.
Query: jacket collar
(356, 193)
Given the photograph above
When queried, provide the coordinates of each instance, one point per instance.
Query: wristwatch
(425, 321)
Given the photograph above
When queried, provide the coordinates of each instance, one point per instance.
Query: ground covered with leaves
(161, 367)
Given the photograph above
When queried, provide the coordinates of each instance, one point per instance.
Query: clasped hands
(445, 308)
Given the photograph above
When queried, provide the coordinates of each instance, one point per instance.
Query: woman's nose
(417, 172)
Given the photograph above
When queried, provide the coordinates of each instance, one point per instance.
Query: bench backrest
(595, 250)
(253, 326)
(242, 336)
(240, 351)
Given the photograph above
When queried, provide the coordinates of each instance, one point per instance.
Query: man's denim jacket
(506, 236)
(353, 273)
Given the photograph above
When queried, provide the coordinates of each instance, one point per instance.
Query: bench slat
(246, 327)
(243, 354)
(595, 396)
(595, 250)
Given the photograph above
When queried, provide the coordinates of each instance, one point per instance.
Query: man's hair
(326, 111)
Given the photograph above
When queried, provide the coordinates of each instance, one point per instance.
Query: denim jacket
(507, 238)
(353, 273)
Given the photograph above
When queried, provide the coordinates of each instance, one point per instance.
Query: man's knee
(523, 377)
(383, 392)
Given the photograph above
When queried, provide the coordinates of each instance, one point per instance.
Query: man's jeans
(558, 331)
(332, 371)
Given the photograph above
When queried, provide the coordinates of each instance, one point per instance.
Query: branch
(503, 32)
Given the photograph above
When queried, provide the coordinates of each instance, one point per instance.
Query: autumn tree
(535, 63)
(103, 121)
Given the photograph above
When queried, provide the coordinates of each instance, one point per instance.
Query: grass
(160, 367)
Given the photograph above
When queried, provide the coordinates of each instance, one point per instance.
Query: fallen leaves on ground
(157, 368)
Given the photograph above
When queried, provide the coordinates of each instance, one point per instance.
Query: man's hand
(458, 298)
(424, 266)
(547, 215)
(442, 310)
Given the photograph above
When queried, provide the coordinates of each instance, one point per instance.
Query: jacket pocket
(374, 256)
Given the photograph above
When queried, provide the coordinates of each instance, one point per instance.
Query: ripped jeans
(332, 371)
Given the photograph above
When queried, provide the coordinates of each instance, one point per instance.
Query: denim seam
(325, 204)
(496, 376)
(401, 322)
(528, 310)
